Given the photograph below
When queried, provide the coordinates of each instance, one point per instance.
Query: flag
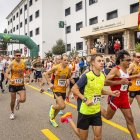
(139, 17)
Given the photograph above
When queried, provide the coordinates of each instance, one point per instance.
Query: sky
(6, 6)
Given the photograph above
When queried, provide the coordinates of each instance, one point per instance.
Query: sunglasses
(137, 56)
(18, 55)
(128, 60)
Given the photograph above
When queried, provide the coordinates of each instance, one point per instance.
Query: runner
(75, 76)
(118, 79)
(134, 89)
(38, 68)
(16, 82)
(2, 68)
(89, 89)
(62, 73)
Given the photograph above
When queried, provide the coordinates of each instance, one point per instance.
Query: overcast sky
(6, 6)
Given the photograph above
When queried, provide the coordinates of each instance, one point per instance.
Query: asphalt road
(32, 119)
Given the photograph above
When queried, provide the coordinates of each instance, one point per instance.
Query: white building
(37, 19)
(100, 20)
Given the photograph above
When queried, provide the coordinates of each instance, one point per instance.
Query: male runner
(134, 89)
(62, 73)
(118, 79)
(15, 75)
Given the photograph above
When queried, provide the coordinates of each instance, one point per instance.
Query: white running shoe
(17, 104)
(12, 116)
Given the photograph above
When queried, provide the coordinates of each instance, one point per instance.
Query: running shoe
(42, 90)
(12, 116)
(53, 123)
(66, 117)
(60, 112)
(17, 104)
(51, 112)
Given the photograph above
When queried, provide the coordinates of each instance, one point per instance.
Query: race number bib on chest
(96, 99)
(124, 87)
(138, 82)
(18, 81)
(61, 82)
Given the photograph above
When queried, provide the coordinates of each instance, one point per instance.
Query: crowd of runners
(81, 78)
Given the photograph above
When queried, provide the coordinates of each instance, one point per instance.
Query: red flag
(139, 17)
(139, 21)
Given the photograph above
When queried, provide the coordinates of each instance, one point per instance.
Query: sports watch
(84, 99)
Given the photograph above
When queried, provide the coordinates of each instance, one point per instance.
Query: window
(92, 2)
(36, 0)
(20, 11)
(68, 47)
(31, 18)
(25, 7)
(14, 29)
(8, 22)
(20, 24)
(37, 14)
(79, 46)
(31, 33)
(13, 17)
(67, 11)
(11, 20)
(11, 30)
(25, 33)
(37, 31)
(79, 6)
(30, 2)
(134, 8)
(93, 20)
(17, 14)
(78, 26)
(25, 21)
(8, 32)
(68, 29)
(17, 27)
(111, 15)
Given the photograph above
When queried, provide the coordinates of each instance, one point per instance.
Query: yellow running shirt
(60, 80)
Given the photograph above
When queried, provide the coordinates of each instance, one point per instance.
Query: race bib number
(124, 87)
(96, 99)
(18, 81)
(61, 82)
(138, 82)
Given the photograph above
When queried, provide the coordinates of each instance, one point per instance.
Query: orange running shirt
(17, 73)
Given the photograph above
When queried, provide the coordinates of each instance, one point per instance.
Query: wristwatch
(84, 99)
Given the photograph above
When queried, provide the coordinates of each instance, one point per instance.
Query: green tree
(49, 54)
(137, 47)
(73, 53)
(59, 48)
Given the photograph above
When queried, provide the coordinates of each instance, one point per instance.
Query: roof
(15, 8)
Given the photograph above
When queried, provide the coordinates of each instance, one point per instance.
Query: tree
(49, 54)
(59, 48)
(73, 53)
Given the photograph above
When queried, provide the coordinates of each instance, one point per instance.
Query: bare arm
(75, 90)
(8, 71)
(49, 72)
(110, 76)
(112, 93)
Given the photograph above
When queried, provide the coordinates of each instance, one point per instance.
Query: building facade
(38, 20)
(86, 22)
